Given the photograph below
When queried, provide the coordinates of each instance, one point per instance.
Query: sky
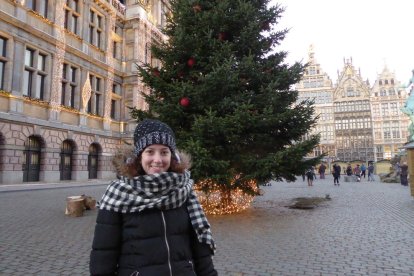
(372, 33)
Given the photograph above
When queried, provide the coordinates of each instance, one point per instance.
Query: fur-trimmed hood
(125, 158)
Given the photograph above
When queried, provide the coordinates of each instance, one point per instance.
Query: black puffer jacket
(150, 243)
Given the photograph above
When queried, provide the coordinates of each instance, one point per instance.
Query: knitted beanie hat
(150, 132)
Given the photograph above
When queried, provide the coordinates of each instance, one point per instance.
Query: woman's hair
(127, 164)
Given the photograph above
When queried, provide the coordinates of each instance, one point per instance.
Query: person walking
(371, 172)
(310, 174)
(363, 170)
(357, 173)
(149, 220)
(336, 172)
(404, 174)
(321, 171)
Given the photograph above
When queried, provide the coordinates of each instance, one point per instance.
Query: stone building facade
(316, 85)
(356, 121)
(67, 77)
(390, 125)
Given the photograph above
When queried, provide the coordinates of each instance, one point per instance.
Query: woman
(149, 220)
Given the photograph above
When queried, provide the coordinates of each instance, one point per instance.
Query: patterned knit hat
(150, 132)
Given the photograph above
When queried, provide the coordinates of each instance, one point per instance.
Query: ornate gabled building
(352, 115)
(367, 122)
(390, 125)
(67, 77)
(317, 86)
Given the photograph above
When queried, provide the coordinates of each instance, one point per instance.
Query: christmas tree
(227, 93)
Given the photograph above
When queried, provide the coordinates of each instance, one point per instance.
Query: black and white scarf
(162, 191)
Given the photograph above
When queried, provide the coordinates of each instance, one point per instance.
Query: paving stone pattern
(367, 228)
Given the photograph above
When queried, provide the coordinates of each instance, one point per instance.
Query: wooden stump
(75, 206)
(89, 202)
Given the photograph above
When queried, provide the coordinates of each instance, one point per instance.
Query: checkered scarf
(162, 191)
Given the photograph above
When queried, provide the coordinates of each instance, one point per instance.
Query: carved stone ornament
(144, 3)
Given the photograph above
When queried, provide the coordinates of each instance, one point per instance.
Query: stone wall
(14, 137)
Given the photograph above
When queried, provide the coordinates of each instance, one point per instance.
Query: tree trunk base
(75, 206)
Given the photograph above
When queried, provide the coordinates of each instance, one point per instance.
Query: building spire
(311, 54)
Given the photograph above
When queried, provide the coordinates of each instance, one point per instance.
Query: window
(375, 110)
(383, 92)
(116, 101)
(115, 49)
(387, 131)
(113, 109)
(384, 107)
(3, 61)
(394, 108)
(95, 28)
(72, 16)
(39, 6)
(95, 102)
(350, 92)
(116, 88)
(69, 85)
(377, 131)
(34, 75)
(312, 71)
(391, 92)
(395, 129)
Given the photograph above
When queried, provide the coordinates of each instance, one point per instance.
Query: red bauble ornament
(184, 101)
(266, 25)
(197, 8)
(190, 62)
(223, 36)
(156, 72)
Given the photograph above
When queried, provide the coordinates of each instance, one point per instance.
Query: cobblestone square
(367, 228)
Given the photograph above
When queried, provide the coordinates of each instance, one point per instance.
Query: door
(66, 161)
(31, 155)
(93, 162)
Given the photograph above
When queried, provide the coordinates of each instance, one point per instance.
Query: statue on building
(409, 106)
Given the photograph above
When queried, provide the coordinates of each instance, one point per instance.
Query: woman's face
(156, 159)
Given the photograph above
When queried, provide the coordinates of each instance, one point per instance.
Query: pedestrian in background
(340, 170)
(363, 170)
(321, 171)
(371, 172)
(336, 172)
(349, 170)
(357, 172)
(310, 174)
(149, 220)
(404, 174)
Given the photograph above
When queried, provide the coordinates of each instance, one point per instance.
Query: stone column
(80, 165)
(57, 62)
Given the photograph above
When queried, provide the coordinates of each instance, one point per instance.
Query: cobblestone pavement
(367, 228)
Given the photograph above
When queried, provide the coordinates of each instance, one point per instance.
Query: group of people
(358, 171)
